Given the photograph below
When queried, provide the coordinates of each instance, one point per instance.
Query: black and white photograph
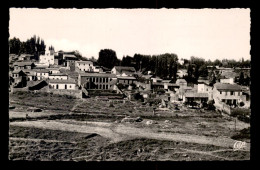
(137, 84)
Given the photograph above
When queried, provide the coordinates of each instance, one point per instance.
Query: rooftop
(23, 63)
(42, 71)
(69, 56)
(122, 68)
(196, 95)
(58, 74)
(225, 86)
(81, 61)
(126, 77)
(97, 75)
(72, 81)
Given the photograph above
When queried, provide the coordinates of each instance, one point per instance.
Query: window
(238, 93)
(89, 65)
(70, 86)
(65, 86)
(231, 93)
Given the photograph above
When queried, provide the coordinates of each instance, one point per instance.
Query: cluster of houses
(65, 72)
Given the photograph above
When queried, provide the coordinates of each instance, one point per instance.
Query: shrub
(243, 134)
(241, 104)
(211, 105)
(138, 96)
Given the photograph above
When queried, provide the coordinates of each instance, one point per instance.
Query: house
(25, 57)
(181, 82)
(126, 80)
(84, 66)
(101, 81)
(98, 69)
(68, 84)
(58, 76)
(166, 86)
(47, 58)
(195, 97)
(42, 74)
(246, 98)
(184, 89)
(40, 65)
(23, 65)
(227, 80)
(31, 74)
(204, 87)
(227, 93)
(19, 78)
(53, 70)
(119, 70)
(69, 61)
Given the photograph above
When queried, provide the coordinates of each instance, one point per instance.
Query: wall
(228, 81)
(86, 66)
(223, 107)
(40, 76)
(47, 59)
(56, 77)
(218, 96)
(54, 71)
(62, 86)
(96, 81)
(126, 81)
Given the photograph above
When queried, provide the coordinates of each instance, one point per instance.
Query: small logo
(239, 145)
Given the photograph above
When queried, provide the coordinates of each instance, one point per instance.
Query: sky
(206, 33)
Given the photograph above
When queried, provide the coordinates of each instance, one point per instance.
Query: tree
(107, 58)
(241, 79)
(126, 61)
(203, 71)
(14, 45)
(212, 78)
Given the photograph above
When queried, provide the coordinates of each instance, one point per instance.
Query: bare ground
(91, 130)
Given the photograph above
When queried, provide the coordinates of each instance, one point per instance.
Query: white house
(119, 70)
(227, 93)
(227, 80)
(62, 84)
(58, 76)
(84, 66)
(48, 58)
(42, 74)
(205, 88)
(53, 70)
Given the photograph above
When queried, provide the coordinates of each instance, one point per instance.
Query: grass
(93, 147)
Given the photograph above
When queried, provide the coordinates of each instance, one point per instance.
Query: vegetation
(107, 58)
(34, 46)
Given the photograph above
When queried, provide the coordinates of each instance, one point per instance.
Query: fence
(223, 107)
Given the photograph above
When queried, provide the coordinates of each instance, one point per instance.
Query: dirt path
(119, 132)
(38, 140)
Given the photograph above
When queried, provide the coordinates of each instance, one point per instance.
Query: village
(68, 89)
(61, 73)
(117, 84)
